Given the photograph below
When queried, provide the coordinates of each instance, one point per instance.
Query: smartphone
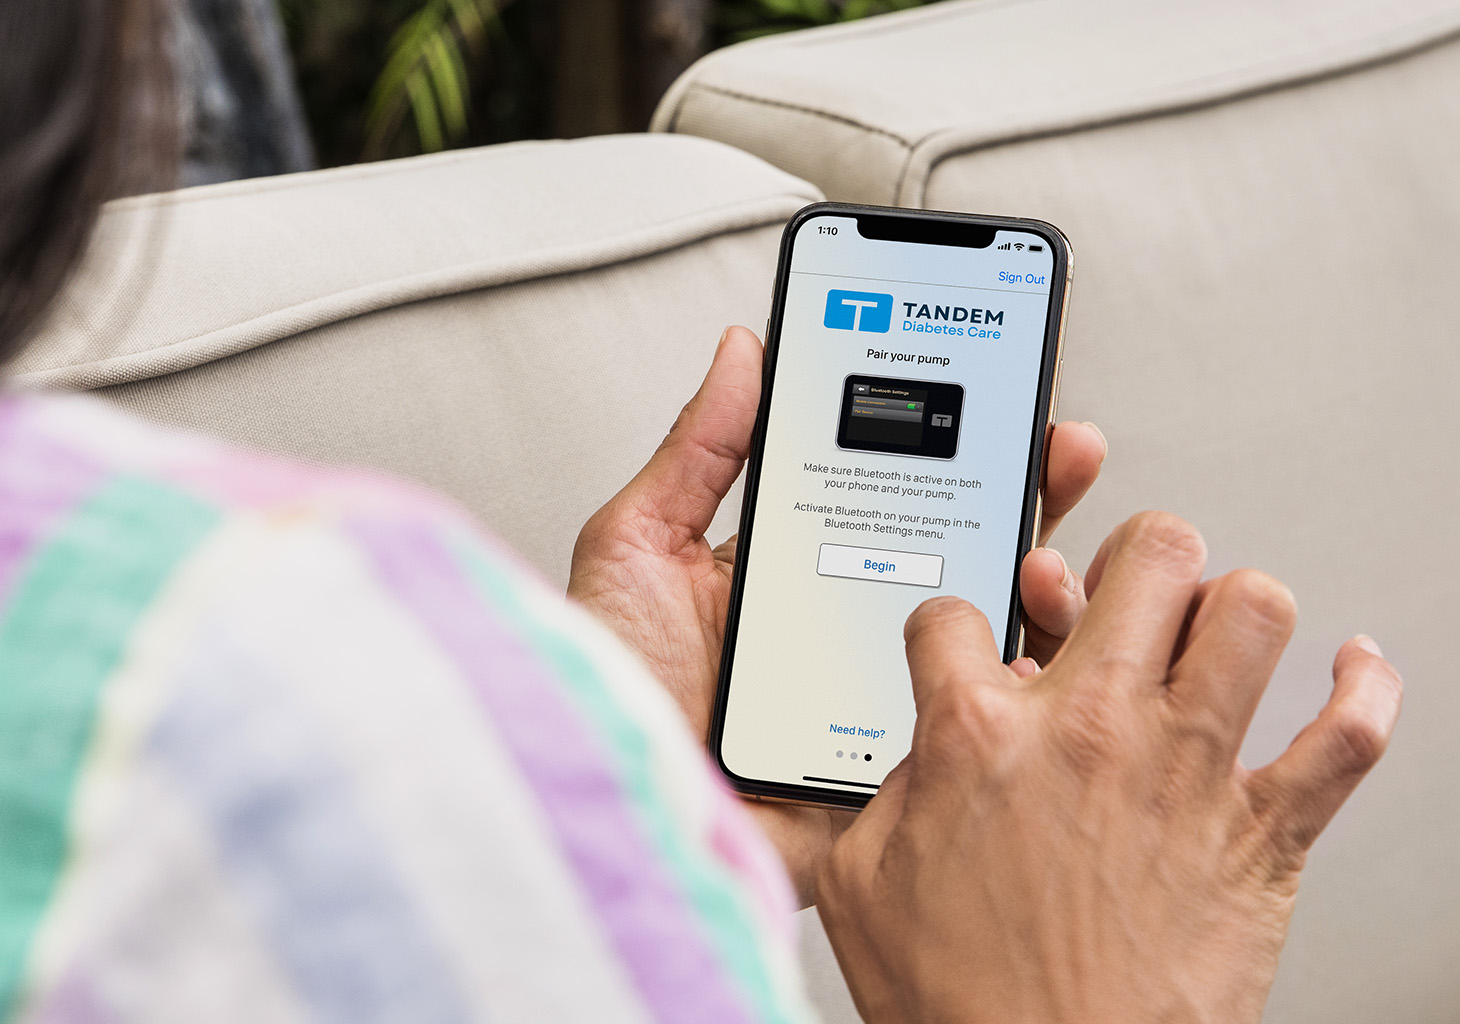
(911, 375)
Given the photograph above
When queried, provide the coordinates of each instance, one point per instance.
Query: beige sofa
(516, 325)
(1264, 204)
(1266, 215)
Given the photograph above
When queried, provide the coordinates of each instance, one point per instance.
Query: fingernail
(1067, 578)
(1367, 643)
(1104, 444)
(723, 335)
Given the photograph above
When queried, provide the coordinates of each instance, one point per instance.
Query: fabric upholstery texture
(1263, 207)
(868, 110)
(516, 326)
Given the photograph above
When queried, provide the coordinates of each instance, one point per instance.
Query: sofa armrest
(515, 325)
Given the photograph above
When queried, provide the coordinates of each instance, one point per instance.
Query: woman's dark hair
(86, 114)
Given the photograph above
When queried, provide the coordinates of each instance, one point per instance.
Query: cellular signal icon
(1008, 245)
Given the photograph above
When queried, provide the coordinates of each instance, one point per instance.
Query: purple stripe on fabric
(245, 478)
(734, 837)
(40, 481)
(301, 855)
(72, 1002)
(645, 914)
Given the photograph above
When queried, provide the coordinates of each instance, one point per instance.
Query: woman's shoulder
(122, 503)
(328, 698)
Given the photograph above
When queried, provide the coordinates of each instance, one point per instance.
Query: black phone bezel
(891, 224)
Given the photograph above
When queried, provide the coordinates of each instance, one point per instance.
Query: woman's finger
(1303, 789)
(1076, 452)
(1054, 599)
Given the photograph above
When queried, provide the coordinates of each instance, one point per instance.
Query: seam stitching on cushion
(324, 176)
(759, 213)
(906, 169)
(330, 176)
(801, 108)
(1236, 94)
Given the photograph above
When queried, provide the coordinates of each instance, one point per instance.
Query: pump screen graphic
(900, 417)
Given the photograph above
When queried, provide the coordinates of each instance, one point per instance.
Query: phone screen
(908, 397)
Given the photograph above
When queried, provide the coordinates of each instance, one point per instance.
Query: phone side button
(1059, 379)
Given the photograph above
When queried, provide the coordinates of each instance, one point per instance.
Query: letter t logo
(869, 312)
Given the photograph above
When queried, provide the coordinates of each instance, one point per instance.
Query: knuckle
(1169, 784)
(954, 722)
(1357, 742)
(1169, 538)
(968, 721)
(1205, 736)
(1265, 598)
(1090, 727)
(943, 613)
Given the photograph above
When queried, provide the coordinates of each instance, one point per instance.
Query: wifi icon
(1019, 246)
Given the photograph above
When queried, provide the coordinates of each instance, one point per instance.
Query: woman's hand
(643, 566)
(1082, 845)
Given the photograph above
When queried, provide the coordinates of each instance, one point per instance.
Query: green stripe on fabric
(68, 624)
(730, 923)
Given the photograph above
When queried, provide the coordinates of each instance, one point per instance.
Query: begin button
(876, 564)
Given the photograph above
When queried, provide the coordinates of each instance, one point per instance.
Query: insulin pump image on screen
(912, 360)
(900, 417)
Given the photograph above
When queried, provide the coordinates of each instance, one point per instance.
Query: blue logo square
(858, 311)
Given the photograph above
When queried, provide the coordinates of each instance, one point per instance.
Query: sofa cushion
(516, 325)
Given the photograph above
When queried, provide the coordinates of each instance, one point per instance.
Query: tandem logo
(858, 311)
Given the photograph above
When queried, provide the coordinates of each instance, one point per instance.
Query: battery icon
(1036, 248)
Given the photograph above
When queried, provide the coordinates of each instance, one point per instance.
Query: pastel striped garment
(280, 743)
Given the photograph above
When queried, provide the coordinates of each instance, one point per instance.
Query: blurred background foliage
(381, 78)
(738, 20)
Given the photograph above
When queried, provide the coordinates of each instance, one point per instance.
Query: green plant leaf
(426, 74)
(447, 74)
(817, 11)
(423, 106)
(471, 18)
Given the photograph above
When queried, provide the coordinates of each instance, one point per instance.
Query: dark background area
(381, 78)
